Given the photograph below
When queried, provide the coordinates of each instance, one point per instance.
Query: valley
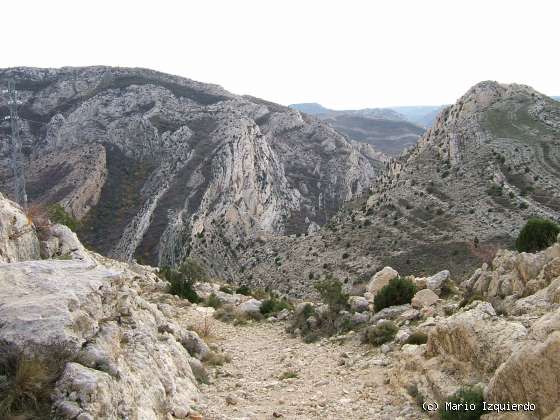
(192, 253)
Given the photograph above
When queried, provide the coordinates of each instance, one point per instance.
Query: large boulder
(424, 298)
(358, 303)
(477, 336)
(250, 307)
(392, 312)
(121, 356)
(435, 282)
(380, 279)
(530, 375)
(18, 241)
(516, 274)
(58, 241)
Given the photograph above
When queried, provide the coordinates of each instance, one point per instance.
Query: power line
(20, 194)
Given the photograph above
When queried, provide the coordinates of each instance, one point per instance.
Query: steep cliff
(489, 163)
(159, 167)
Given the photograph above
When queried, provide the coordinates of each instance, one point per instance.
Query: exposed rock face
(467, 336)
(18, 241)
(159, 167)
(125, 358)
(514, 354)
(515, 275)
(531, 374)
(489, 163)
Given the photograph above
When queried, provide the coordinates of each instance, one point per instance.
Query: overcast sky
(343, 54)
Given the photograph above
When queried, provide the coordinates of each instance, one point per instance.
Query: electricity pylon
(20, 194)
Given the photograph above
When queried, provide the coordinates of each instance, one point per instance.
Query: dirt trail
(334, 381)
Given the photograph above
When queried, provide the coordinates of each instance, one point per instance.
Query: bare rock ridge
(158, 167)
(490, 162)
(114, 354)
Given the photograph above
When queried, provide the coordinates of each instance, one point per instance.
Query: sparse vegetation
(243, 290)
(537, 235)
(467, 396)
(183, 279)
(417, 337)
(330, 290)
(213, 301)
(274, 305)
(27, 380)
(289, 374)
(379, 334)
(58, 215)
(214, 358)
(399, 291)
(226, 289)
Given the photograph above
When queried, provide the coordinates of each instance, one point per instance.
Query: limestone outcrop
(120, 356)
(159, 167)
(18, 241)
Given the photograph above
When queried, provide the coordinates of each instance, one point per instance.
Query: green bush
(330, 290)
(537, 235)
(226, 289)
(399, 291)
(213, 301)
(58, 215)
(467, 395)
(383, 332)
(183, 279)
(273, 305)
(243, 290)
(417, 337)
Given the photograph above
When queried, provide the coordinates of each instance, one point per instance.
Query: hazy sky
(343, 54)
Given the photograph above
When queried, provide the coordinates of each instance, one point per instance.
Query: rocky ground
(332, 379)
(125, 348)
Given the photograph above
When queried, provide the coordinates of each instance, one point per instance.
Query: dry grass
(205, 328)
(27, 380)
(38, 216)
(228, 313)
(217, 359)
(289, 374)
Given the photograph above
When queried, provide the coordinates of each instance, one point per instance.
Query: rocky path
(272, 375)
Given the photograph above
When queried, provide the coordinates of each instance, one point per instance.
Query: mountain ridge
(490, 162)
(159, 167)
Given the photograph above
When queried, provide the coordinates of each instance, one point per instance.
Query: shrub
(273, 305)
(330, 290)
(299, 321)
(213, 301)
(382, 333)
(537, 235)
(417, 337)
(226, 289)
(57, 214)
(398, 292)
(27, 380)
(183, 279)
(243, 290)
(469, 396)
(289, 374)
(217, 359)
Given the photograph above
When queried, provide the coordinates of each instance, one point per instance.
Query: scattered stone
(424, 298)
(358, 303)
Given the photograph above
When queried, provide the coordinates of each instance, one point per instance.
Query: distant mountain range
(489, 162)
(423, 116)
(389, 131)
